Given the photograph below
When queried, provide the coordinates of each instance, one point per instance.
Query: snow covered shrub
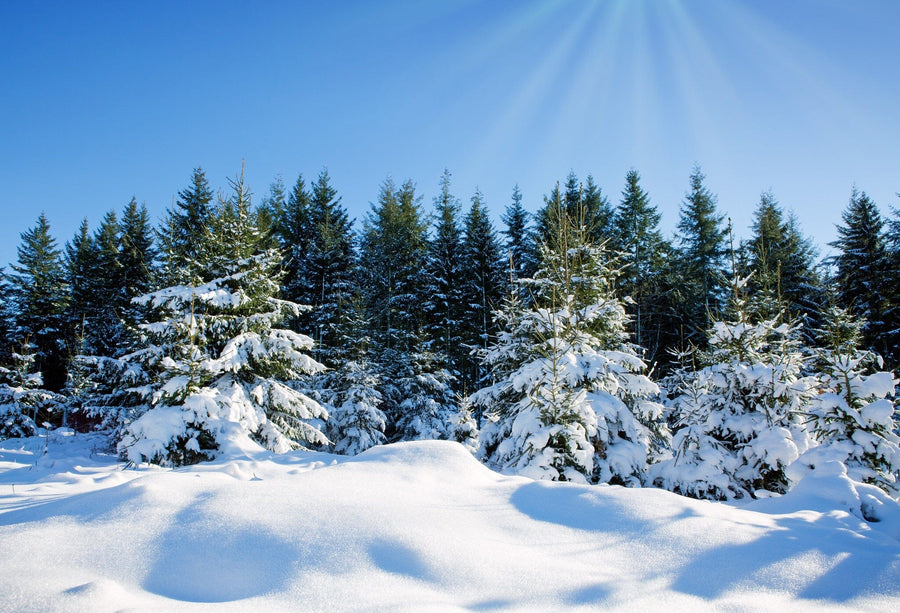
(357, 421)
(23, 403)
(853, 416)
(421, 393)
(570, 401)
(737, 420)
(463, 426)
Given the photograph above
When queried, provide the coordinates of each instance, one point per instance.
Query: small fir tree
(852, 417)
(737, 419)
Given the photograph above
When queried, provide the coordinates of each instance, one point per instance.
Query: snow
(418, 526)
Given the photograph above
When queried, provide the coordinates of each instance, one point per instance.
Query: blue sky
(102, 101)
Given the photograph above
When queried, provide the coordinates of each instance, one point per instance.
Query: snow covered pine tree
(570, 402)
(218, 368)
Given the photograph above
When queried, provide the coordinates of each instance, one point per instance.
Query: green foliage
(40, 294)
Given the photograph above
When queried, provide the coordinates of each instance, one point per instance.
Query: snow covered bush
(570, 401)
(421, 394)
(216, 365)
(23, 403)
(737, 421)
(357, 421)
(852, 418)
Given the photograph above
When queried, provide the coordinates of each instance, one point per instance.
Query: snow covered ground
(410, 527)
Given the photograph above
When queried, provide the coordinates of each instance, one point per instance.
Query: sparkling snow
(414, 527)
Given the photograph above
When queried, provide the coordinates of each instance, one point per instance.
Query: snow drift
(411, 527)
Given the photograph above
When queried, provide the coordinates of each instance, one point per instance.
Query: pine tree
(24, 404)
(269, 212)
(783, 261)
(643, 251)
(738, 420)
(599, 215)
(570, 402)
(700, 260)
(7, 320)
(353, 389)
(393, 252)
(293, 229)
(519, 239)
(216, 365)
(329, 265)
(185, 228)
(137, 257)
(853, 415)
(444, 305)
(107, 331)
(82, 274)
(481, 283)
(862, 263)
(40, 295)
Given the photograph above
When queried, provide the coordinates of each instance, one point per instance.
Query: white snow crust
(418, 527)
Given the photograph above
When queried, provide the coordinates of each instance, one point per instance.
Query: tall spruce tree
(444, 303)
(782, 262)
(393, 252)
(862, 264)
(329, 265)
(40, 294)
(6, 319)
(292, 228)
(599, 215)
(184, 228)
(82, 275)
(701, 260)
(519, 239)
(137, 257)
(482, 284)
(643, 251)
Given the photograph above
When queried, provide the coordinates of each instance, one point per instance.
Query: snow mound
(409, 527)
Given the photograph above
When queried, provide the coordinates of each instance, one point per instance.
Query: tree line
(579, 329)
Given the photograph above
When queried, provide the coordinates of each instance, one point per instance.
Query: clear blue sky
(102, 101)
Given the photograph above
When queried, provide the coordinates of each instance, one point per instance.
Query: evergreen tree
(269, 212)
(137, 255)
(444, 305)
(24, 405)
(738, 420)
(82, 274)
(783, 264)
(853, 415)
(393, 253)
(482, 283)
(599, 215)
(107, 332)
(643, 252)
(329, 265)
(7, 320)
(185, 230)
(570, 402)
(293, 230)
(519, 240)
(862, 264)
(353, 389)
(216, 365)
(40, 295)
(700, 260)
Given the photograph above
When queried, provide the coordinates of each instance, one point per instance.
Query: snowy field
(411, 527)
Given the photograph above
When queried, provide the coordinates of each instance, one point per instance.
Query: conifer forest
(575, 343)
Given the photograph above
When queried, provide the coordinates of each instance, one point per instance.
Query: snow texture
(418, 527)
